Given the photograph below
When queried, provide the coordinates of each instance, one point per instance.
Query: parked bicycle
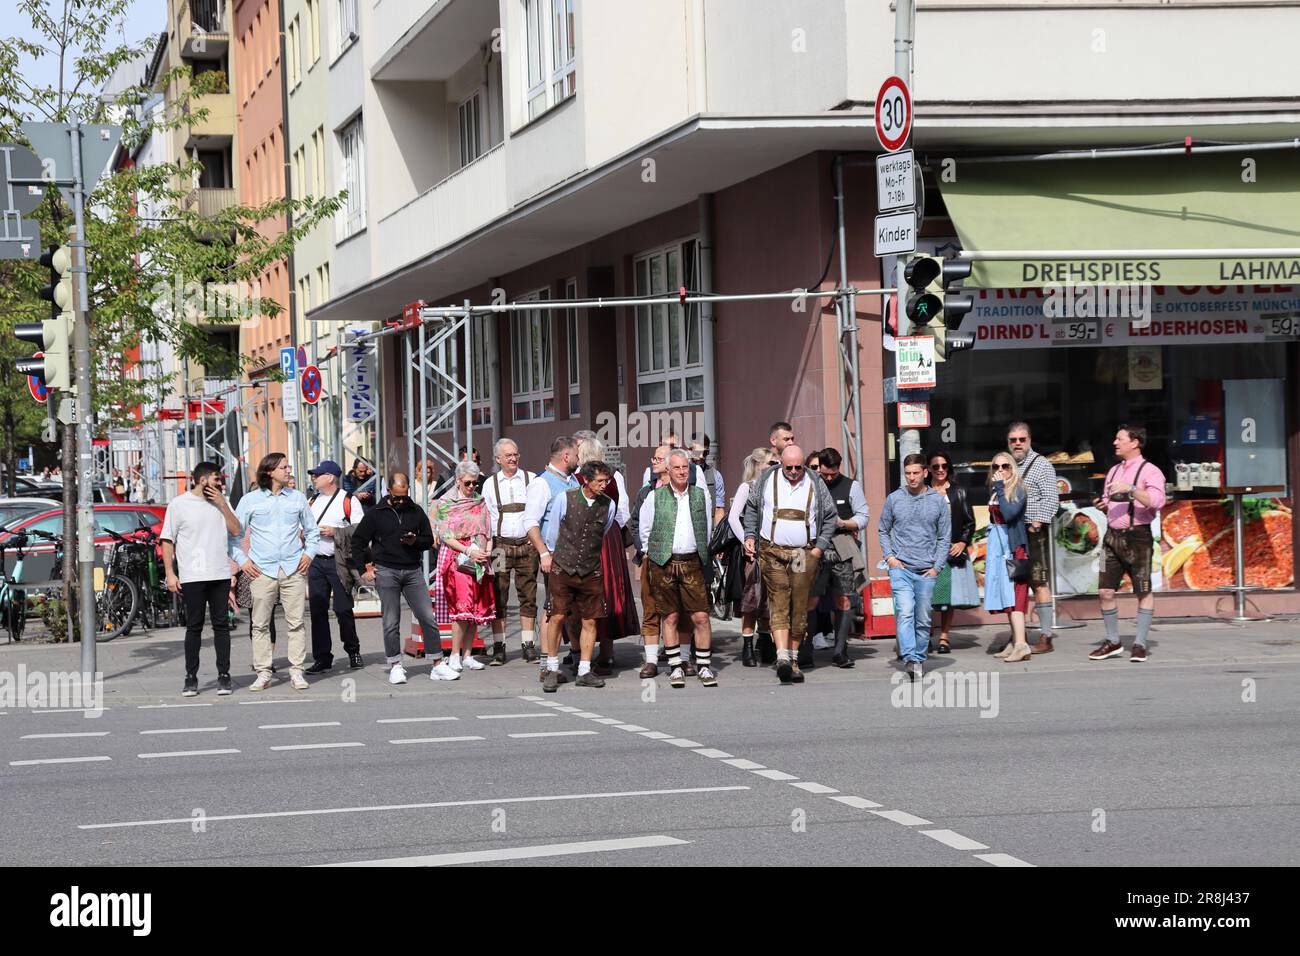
(116, 597)
(135, 559)
(13, 599)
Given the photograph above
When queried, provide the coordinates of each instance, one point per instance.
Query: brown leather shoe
(688, 667)
(648, 671)
(1043, 647)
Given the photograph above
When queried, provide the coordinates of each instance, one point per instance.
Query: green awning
(1158, 203)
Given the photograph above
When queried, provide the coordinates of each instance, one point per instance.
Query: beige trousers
(291, 591)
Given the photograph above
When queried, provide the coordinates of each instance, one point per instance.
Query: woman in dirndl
(460, 522)
(745, 580)
(1008, 546)
(955, 586)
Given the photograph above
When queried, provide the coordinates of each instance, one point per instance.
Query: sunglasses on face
(938, 467)
(1001, 467)
(793, 467)
(1017, 441)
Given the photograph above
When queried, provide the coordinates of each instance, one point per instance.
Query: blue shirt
(274, 523)
(556, 511)
(916, 529)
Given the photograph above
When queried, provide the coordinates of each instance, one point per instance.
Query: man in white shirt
(332, 508)
(506, 494)
(197, 526)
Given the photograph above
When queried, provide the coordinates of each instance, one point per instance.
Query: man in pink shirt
(1134, 494)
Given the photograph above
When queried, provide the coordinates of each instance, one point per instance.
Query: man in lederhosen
(843, 572)
(512, 553)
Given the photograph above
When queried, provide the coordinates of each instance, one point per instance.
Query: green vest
(660, 548)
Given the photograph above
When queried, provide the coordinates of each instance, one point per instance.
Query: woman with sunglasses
(461, 522)
(1008, 545)
(950, 590)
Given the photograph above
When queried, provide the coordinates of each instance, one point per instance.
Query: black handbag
(1018, 568)
(723, 539)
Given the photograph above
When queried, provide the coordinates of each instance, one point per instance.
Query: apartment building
(556, 149)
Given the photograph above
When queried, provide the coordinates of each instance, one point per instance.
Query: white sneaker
(299, 682)
(262, 683)
(454, 663)
(442, 672)
(823, 642)
(472, 664)
(397, 674)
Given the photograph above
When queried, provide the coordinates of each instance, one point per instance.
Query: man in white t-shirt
(197, 526)
(332, 508)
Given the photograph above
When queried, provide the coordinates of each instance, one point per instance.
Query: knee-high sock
(1046, 619)
(1143, 625)
(1111, 618)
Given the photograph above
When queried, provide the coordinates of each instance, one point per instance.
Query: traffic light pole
(85, 446)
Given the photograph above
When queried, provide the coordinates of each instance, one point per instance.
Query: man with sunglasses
(789, 521)
(1039, 478)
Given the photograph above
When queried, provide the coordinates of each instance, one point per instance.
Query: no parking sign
(312, 384)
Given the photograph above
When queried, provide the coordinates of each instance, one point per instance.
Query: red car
(38, 563)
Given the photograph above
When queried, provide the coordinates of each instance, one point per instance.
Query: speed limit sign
(893, 114)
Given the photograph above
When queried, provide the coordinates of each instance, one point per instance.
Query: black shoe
(569, 660)
(796, 674)
(588, 679)
(785, 671)
(320, 667)
(766, 650)
(842, 660)
(550, 681)
(944, 648)
(355, 660)
(498, 654)
(224, 685)
(806, 655)
(747, 658)
(530, 652)
(191, 688)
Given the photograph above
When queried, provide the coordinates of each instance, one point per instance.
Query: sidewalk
(149, 667)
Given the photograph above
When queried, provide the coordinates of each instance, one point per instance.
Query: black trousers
(212, 596)
(322, 582)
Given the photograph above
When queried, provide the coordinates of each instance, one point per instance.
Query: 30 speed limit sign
(893, 114)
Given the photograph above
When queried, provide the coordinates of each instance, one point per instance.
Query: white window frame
(294, 52)
(683, 378)
(573, 350)
(481, 397)
(299, 171)
(471, 127)
(550, 58)
(317, 187)
(352, 146)
(313, 30)
(346, 25)
(532, 383)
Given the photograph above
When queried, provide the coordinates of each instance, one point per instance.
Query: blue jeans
(912, 593)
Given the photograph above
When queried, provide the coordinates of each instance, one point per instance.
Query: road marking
(559, 733)
(28, 763)
(160, 706)
(903, 817)
(322, 723)
(954, 840)
(775, 775)
(856, 802)
(587, 714)
(683, 742)
(710, 752)
(317, 746)
(431, 740)
(612, 795)
(185, 730)
(568, 710)
(611, 721)
(189, 753)
(535, 700)
(282, 700)
(66, 710)
(510, 716)
(740, 763)
(656, 735)
(632, 727)
(815, 787)
(524, 852)
(412, 720)
(1001, 859)
(89, 733)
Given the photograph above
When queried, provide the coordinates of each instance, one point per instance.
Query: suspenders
(512, 507)
(1114, 471)
(790, 514)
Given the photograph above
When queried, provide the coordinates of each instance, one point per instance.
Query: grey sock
(1111, 618)
(842, 628)
(1143, 625)
(1046, 618)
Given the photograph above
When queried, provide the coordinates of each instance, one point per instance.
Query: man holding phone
(196, 526)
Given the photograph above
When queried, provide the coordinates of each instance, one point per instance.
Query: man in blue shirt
(915, 534)
(283, 539)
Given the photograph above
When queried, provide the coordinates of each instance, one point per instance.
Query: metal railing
(208, 15)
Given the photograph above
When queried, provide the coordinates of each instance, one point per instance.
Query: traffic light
(930, 304)
(54, 335)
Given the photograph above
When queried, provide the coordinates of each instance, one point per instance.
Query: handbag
(723, 538)
(1018, 569)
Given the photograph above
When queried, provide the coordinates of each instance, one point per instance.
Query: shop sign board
(916, 366)
(913, 414)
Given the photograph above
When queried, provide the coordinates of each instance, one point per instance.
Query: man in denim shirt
(283, 538)
(915, 534)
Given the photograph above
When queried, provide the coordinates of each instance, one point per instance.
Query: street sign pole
(85, 448)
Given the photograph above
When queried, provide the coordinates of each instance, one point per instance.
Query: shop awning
(1239, 216)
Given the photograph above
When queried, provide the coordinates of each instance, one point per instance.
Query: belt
(513, 542)
(686, 556)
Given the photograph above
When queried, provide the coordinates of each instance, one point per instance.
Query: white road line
(559, 733)
(656, 735)
(412, 720)
(524, 852)
(552, 798)
(740, 763)
(632, 727)
(954, 840)
(317, 746)
(815, 787)
(611, 721)
(903, 817)
(189, 753)
(281, 700)
(855, 802)
(683, 742)
(568, 710)
(322, 723)
(710, 752)
(28, 763)
(547, 703)
(185, 730)
(65, 710)
(775, 775)
(535, 700)
(510, 716)
(1001, 859)
(587, 714)
(161, 706)
(431, 740)
(89, 733)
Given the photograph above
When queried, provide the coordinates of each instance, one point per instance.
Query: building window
(317, 185)
(298, 183)
(571, 346)
(471, 128)
(313, 32)
(346, 24)
(304, 297)
(481, 393)
(551, 67)
(293, 52)
(530, 362)
(669, 363)
(352, 217)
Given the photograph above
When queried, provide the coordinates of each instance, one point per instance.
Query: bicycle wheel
(116, 607)
(15, 614)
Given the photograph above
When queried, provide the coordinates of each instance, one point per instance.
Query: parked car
(38, 567)
(12, 509)
(35, 488)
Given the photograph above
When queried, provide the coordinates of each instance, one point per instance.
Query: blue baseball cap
(327, 467)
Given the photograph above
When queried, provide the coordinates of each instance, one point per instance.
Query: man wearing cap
(332, 508)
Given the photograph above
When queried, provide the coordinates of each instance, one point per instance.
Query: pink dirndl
(467, 599)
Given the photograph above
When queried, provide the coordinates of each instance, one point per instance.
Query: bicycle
(136, 560)
(13, 600)
(117, 599)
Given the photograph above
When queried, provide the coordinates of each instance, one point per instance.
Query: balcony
(430, 40)
(203, 29)
(467, 200)
(209, 202)
(218, 129)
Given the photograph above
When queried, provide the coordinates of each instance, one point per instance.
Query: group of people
(788, 547)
